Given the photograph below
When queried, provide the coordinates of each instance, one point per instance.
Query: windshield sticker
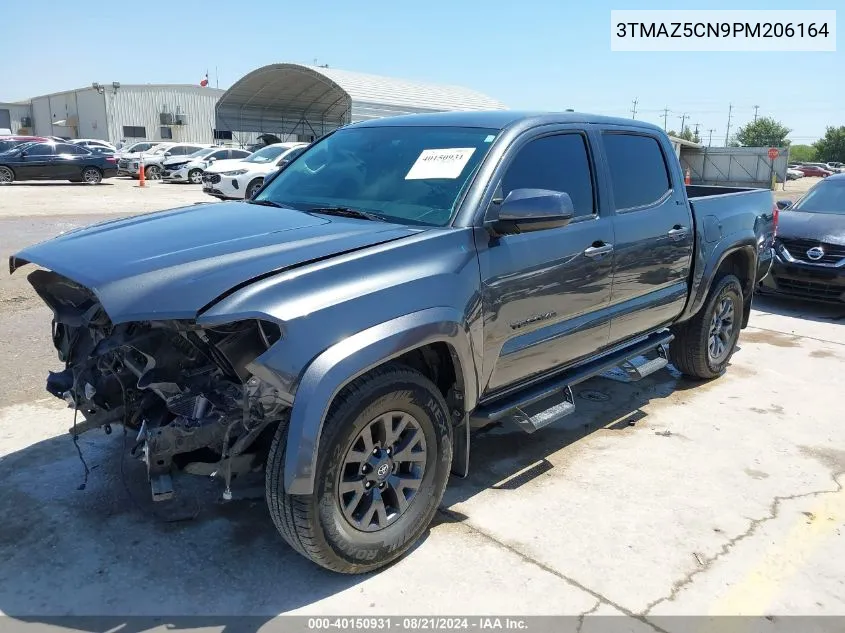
(489, 138)
(440, 163)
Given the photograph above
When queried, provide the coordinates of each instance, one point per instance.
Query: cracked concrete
(656, 499)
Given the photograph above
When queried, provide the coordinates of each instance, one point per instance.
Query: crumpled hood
(172, 264)
(824, 227)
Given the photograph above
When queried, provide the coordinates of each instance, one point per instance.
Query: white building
(292, 101)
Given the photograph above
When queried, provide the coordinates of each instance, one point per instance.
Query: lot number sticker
(440, 163)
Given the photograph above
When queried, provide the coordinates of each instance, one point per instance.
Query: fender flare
(342, 363)
(702, 289)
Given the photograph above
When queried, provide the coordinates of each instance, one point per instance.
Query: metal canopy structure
(313, 100)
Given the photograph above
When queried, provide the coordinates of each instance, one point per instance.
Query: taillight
(775, 218)
(111, 159)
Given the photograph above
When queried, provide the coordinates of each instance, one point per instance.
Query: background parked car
(793, 174)
(10, 142)
(128, 164)
(241, 180)
(810, 245)
(136, 148)
(813, 170)
(188, 169)
(93, 142)
(153, 161)
(55, 161)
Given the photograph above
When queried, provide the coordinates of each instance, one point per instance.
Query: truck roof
(501, 119)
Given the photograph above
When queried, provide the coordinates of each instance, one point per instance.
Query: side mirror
(167, 154)
(23, 153)
(784, 205)
(526, 210)
(211, 160)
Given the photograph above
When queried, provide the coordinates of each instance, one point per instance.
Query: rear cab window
(637, 168)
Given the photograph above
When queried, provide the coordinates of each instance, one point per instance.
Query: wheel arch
(739, 259)
(429, 340)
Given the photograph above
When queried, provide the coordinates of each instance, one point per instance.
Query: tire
(252, 187)
(152, 172)
(195, 176)
(92, 176)
(6, 176)
(691, 351)
(315, 525)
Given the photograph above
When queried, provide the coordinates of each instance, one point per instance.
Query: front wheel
(195, 176)
(253, 188)
(152, 172)
(6, 176)
(703, 346)
(382, 466)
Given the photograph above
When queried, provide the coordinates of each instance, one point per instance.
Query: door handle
(596, 251)
(678, 232)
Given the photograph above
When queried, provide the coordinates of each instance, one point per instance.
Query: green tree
(802, 153)
(687, 135)
(831, 148)
(764, 132)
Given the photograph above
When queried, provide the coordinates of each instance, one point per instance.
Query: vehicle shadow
(505, 457)
(33, 183)
(799, 308)
(106, 550)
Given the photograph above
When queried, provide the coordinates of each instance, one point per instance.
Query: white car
(189, 168)
(239, 180)
(793, 174)
(91, 143)
(128, 162)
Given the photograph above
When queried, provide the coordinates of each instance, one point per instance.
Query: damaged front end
(184, 390)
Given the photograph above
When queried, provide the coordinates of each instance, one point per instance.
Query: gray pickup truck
(401, 283)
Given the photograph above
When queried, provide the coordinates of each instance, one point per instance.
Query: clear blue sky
(532, 54)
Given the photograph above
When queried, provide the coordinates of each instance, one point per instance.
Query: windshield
(406, 174)
(825, 197)
(266, 154)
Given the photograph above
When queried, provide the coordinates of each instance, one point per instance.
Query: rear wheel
(382, 467)
(92, 176)
(195, 176)
(253, 187)
(703, 346)
(152, 172)
(6, 176)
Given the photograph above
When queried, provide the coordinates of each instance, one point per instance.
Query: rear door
(38, 164)
(69, 161)
(545, 294)
(654, 232)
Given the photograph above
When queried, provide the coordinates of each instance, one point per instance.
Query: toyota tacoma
(401, 283)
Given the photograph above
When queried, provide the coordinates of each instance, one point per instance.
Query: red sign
(773, 153)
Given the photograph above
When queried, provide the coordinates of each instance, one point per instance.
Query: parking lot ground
(658, 498)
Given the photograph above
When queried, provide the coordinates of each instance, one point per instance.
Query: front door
(654, 234)
(37, 164)
(545, 293)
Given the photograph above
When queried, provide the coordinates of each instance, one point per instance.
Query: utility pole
(634, 109)
(755, 113)
(683, 119)
(696, 131)
(710, 140)
(665, 117)
(728, 131)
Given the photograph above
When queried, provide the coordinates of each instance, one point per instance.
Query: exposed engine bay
(183, 390)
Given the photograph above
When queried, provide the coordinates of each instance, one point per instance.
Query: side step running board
(551, 399)
(637, 368)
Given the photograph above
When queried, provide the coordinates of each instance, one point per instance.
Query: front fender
(329, 372)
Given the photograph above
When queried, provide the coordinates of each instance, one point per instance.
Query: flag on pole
(204, 82)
